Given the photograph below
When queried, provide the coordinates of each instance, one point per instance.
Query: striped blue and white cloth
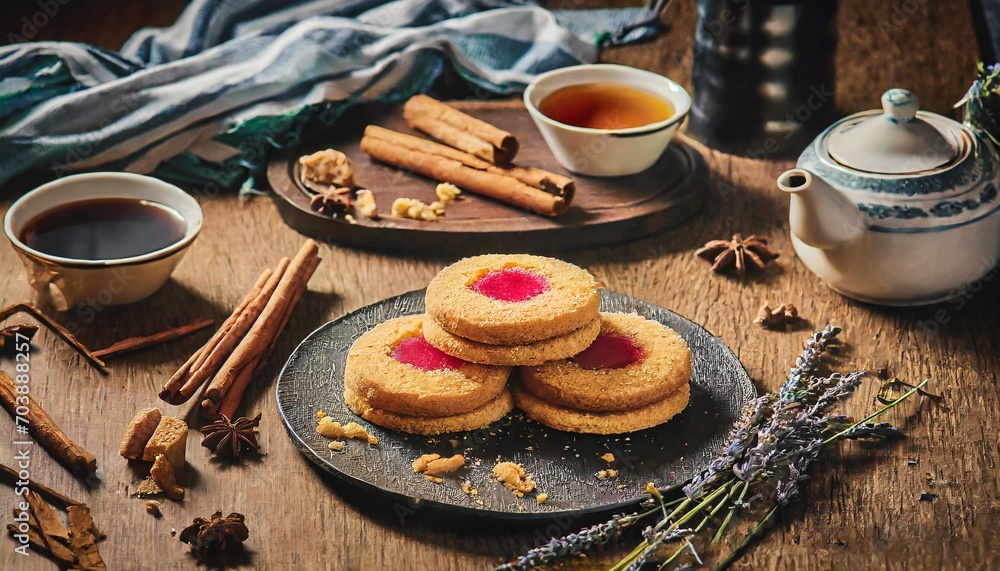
(205, 101)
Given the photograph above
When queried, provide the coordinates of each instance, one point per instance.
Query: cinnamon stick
(451, 126)
(234, 395)
(539, 178)
(442, 169)
(259, 336)
(136, 343)
(59, 330)
(222, 344)
(71, 455)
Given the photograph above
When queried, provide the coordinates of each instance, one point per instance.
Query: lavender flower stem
(876, 414)
(704, 521)
(746, 541)
(732, 510)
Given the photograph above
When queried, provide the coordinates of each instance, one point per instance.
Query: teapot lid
(894, 142)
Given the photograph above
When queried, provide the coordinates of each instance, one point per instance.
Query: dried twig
(11, 477)
(57, 329)
(136, 343)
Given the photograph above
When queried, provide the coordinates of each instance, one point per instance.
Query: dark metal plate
(562, 464)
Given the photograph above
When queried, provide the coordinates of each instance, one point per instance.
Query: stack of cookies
(581, 370)
(395, 379)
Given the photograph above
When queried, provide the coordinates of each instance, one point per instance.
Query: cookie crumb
(542, 498)
(153, 507)
(514, 478)
(320, 414)
(434, 479)
(468, 488)
(446, 192)
(435, 465)
(336, 445)
(334, 430)
(608, 457)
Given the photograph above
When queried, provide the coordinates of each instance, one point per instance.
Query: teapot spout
(819, 215)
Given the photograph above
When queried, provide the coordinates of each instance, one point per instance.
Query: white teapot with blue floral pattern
(897, 206)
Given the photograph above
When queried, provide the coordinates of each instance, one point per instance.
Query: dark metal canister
(762, 76)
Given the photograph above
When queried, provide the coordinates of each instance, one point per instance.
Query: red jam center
(511, 284)
(418, 352)
(610, 352)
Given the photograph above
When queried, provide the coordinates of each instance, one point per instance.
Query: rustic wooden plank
(860, 511)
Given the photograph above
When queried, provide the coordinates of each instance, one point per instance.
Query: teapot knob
(900, 105)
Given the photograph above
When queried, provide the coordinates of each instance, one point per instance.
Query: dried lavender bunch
(770, 452)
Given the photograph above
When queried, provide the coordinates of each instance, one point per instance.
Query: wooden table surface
(860, 510)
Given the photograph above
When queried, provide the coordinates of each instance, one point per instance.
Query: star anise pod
(332, 200)
(737, 253)
(228, 438)
(211, 538)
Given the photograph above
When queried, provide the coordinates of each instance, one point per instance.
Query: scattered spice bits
(514, 478)
(776, 318)
(214, 538)
(228, 438)
(737, 253)
(335, 431)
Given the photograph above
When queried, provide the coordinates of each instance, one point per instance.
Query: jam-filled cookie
(572, 420)
(490, 412)
(535, 353)
(393, 368)
(512, 299)
(634, 362)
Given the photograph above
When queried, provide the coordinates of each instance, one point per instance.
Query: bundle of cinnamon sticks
(476, 156)
(229, 360)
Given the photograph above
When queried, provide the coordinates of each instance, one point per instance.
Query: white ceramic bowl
(607, 152)
(65, 282)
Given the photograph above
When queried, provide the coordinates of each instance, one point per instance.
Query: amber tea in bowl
(101, 238)
(604, 119)
(604, 106)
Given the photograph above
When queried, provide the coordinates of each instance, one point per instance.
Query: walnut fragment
(514, 478)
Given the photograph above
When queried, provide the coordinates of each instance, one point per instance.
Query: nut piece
(139, 431)
(413, 209)
(163, 475)
(365, 204)
(170, 440)
(514, 478)
(446, 192)
(328, 167)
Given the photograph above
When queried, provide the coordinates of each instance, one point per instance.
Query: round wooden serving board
(604, 211)
(562, 464)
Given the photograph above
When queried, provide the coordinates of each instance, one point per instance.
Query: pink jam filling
(610, 352)
(418, 352)
(511, 284)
